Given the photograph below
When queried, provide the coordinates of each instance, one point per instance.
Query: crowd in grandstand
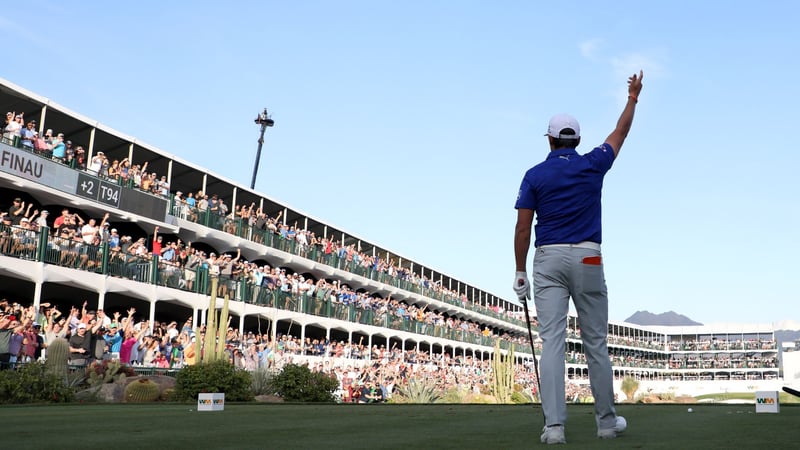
(81, 243)
(75, 241)
(95, 335)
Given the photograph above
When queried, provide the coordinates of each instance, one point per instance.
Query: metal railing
(72, 252)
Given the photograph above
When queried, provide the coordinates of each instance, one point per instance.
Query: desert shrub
(417, 391)
(629, 386)
(75, 379)
(519, 397)
(168, 395)
(655, 397)
(262, 382)
(455, 395)
(32, 383)
(296, 383)
(211, 377)
(480, 399)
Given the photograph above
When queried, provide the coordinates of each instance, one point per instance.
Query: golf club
(533, 349)
(789, 390)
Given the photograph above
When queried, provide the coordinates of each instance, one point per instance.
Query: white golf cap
(559, 123)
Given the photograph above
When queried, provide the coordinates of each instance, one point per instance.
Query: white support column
(90, 149)
(169, 172)
(153, 310)
(42, 118)
(37, 299)
(101, 299)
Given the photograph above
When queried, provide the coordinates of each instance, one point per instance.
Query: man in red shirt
(156, 242)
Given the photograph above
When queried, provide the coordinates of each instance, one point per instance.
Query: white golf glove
(521, 286)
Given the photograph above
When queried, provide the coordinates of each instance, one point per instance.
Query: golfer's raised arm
(617, 137)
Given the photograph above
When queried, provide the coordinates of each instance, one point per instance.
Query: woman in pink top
(130, 339)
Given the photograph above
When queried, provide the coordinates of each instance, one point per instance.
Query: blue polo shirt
(565, 192)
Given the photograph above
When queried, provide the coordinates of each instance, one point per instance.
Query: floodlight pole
(265, 121)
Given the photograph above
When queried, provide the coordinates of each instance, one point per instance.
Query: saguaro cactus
(216, 328)
(57, 357)
(502, 374)
(222, 329)
(209, 343)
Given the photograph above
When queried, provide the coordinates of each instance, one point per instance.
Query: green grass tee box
(382, 426)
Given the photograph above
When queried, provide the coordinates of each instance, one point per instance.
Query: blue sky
(410, 124)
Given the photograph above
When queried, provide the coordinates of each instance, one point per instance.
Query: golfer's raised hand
(635, 84)
(521, 286)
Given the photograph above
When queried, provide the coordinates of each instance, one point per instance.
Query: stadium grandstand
(98, 225)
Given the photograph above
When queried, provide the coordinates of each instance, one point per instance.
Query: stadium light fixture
(264, 120)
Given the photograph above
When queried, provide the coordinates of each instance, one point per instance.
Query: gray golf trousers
(561, 272)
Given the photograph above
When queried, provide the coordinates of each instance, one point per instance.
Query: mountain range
(669, 319)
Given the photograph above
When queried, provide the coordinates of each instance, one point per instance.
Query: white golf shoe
(611, 433)
(553, 435)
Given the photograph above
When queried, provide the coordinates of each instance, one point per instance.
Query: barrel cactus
(141, 391)
(57, 357)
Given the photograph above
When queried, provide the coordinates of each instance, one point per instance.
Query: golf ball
(690, 409)
(622, 424)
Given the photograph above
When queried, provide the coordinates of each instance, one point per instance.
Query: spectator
(114, 337)
(156, 242)
(130, 337)
(41, 221)
(113, 171)
(29, 342)
(79, 158)
(91, 229)
(163, 187)
(191, 205)
(59, 148)
(56, 327)
(13, 127)
(80, 346)
(96, 164)
(28, 134)
(16, 211)
(69, 152)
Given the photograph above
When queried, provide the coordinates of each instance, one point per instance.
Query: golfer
(564, 192)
